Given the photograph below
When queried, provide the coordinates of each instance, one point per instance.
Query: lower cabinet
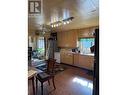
(84, 61)
(66, 57)
(76, 59)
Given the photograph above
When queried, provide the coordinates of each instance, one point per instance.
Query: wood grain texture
(67, 39)
(85, 13)
(86, 61)
(76, 59)
(66, 56)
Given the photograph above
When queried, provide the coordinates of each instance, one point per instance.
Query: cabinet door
(69, 58)
(88, 32)
(67, 39)
(72, 38)
(62, 39)
(76, 59)
(66, 57)
(62, 57)
(84, 33)
(91, 62)
(59, 40)
(86, 62)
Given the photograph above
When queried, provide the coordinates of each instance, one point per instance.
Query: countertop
(89, 54)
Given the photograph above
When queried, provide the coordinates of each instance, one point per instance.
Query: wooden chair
(49, 74)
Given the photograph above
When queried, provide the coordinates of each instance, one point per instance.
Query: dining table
(32, 72)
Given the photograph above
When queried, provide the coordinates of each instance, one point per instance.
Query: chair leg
(36, 85)
(48, 82)
(53, 83)
(41, 88)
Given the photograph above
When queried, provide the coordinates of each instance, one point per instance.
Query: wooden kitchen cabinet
(72, 38)
(69, 58)
(62, 56)
(60, 39)
(88, 32)
(76, 59)
(66, 57)
(84, 61)
(67, 39)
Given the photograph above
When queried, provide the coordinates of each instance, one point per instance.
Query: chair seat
(47, 74)
(43, 76)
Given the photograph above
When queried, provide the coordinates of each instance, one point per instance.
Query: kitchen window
(85, 44)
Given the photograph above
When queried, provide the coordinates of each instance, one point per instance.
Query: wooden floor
(72, 81)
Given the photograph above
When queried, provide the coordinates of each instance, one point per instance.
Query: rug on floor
(57, 69)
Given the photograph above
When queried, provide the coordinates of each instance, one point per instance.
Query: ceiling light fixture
(60, 22)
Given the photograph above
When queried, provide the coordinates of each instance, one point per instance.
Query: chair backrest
(50, 65)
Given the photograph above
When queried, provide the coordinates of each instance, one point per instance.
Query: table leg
(33, 86)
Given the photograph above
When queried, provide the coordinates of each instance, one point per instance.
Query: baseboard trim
(77, 67)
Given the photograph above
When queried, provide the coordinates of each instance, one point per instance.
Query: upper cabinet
(72, 38)
(67, 39)
(88, 32)
(59, 39)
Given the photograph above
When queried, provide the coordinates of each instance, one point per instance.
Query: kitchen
(68, 41)
(68, 36)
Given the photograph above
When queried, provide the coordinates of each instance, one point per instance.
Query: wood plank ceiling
(85, 13)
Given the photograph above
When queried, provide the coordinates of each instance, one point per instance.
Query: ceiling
(85, 13)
